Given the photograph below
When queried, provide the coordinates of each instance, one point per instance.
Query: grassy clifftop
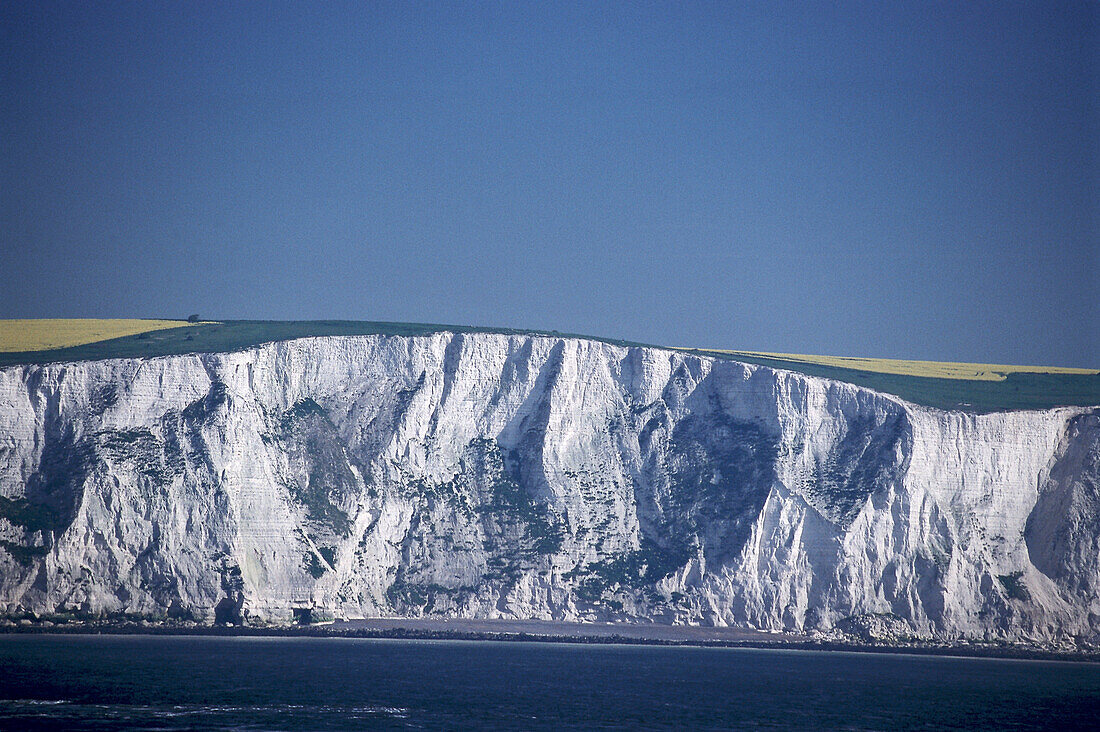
(221, 337)
(988, 391)
(49, 334)
(969, 387)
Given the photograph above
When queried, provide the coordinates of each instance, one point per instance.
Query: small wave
(175, 711)
(395, 712)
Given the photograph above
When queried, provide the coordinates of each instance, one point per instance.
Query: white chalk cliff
(481, 475)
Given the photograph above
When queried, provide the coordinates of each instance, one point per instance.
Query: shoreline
(526, 631)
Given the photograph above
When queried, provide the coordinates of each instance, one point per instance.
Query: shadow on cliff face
(873, 454)
(320, 480)
(52, 494)
(54, 491)
(706, 476)
(1063, 529)
(228, 609)
(720, 472)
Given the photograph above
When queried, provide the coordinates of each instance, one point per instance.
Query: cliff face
(512, 476)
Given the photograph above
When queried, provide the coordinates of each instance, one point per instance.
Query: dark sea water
(177, 683)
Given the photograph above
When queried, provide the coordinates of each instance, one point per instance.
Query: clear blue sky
(883, 179)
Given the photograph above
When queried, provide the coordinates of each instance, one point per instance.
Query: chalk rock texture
(480, 475)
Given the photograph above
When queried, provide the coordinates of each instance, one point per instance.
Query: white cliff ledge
(513, 476)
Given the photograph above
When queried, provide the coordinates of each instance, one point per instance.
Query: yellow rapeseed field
(49, 333)
(932, 369)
